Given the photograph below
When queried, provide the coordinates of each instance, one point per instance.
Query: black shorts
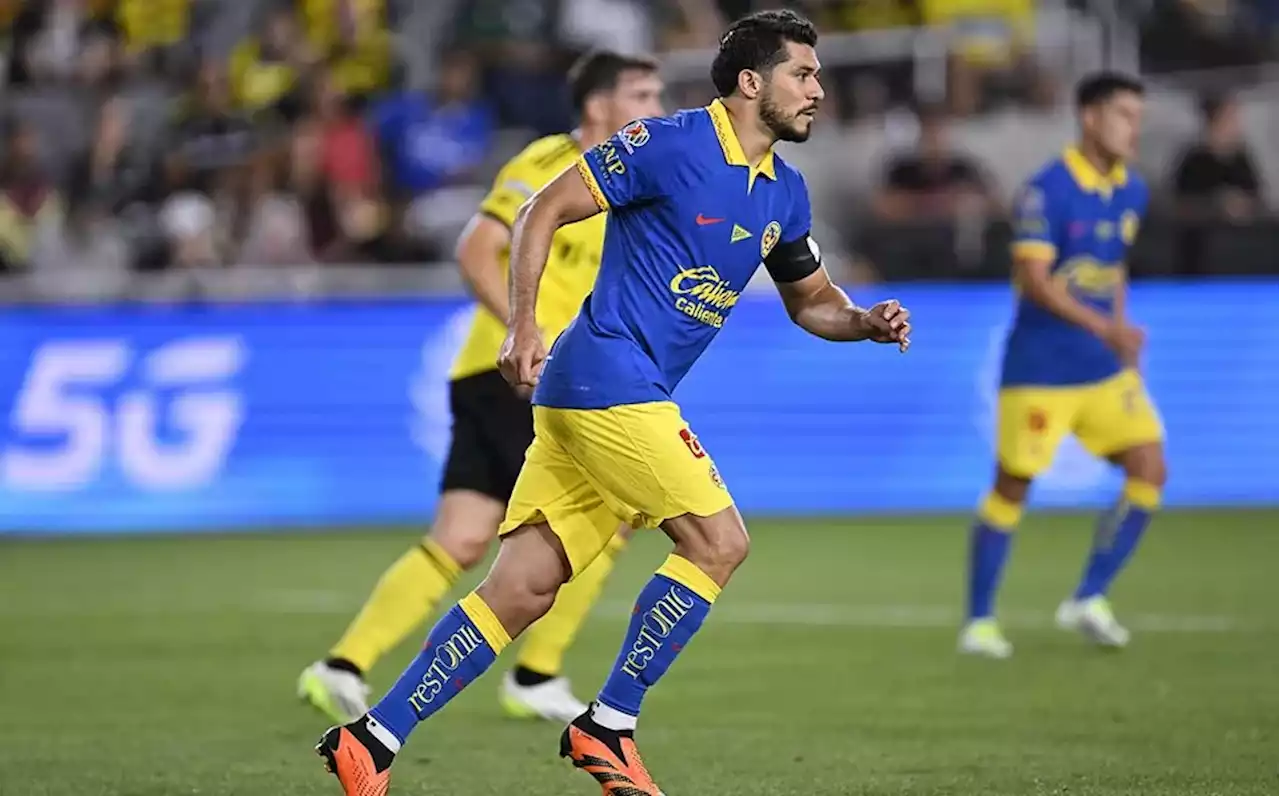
(492, 429)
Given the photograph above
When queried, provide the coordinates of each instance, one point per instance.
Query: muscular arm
(565, 200)
(822, 309)
(479, 255)
(1037, 284)
(1121, 303)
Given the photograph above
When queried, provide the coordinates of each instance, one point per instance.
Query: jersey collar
(1087, 175)
(732, 147)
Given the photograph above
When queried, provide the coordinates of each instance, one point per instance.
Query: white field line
(336, 602)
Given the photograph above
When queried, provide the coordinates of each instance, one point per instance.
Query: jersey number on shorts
(691, 441)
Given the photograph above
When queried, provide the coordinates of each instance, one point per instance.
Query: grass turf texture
(163, 666)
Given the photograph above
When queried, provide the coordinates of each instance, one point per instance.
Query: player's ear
(750, 82)
(593, 109)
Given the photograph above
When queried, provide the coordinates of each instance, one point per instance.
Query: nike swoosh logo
(703, 220)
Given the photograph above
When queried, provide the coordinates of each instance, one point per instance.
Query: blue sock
(1094, 579)
(667, 613)
(989, 543)
(1117, 536)
(460, 648)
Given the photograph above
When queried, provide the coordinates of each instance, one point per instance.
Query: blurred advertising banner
(262, 415)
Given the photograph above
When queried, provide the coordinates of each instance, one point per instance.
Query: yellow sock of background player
(406, 594)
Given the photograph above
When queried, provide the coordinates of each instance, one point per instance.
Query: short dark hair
(1098, 87)
(600, 70)
(758, 42)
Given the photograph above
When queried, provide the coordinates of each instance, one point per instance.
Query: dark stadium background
(226, 309)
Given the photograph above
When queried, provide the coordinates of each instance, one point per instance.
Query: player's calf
(670, 610)
(469, 637)
(1116, 537)
(989, 542)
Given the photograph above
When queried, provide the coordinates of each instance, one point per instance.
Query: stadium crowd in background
(151, 135)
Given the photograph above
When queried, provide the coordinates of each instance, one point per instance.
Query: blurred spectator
(933, 183)
(1205, 34)
(337, 175)
(114, 169)
(208, 136)
(83, 256)
(277, 231)
(352, 36)
(209, 152)
(990, 52)
(436, 141)
(521, 60)
(29, 200)
(1215, 176)
(868, 89)
(60, 41)
(154, 32)
(268, 70)
(1214, 180)
(688, 24)
(194, 229)
(624, 26)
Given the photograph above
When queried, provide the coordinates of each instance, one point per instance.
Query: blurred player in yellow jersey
(492, 426)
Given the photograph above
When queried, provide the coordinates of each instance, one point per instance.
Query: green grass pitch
(165, 666)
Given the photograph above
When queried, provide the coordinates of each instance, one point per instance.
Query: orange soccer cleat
(608, 755)
(361, 764)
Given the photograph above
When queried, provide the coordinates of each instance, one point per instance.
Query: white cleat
(552, 700)
(1093, 618)
(983, 637)
(338, 694)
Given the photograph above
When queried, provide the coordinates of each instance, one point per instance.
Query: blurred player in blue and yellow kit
(493, 426)
(1071, 363)
(695, 203)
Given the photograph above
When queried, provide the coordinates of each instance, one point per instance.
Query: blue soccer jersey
(689, 223)
(1084, 222)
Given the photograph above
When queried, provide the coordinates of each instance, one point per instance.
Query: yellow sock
(546, 640)
(1141, 494)
(405, 595)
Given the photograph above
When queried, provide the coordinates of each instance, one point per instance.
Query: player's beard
(783, 126)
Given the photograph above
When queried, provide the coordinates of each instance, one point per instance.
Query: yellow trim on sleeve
(593, 185)
(1034, 250)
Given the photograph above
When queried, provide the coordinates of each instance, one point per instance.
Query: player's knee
(524, 580)
(518, 602)
(717, 548)
(467, 549)
(466, 525)
(1152, 470)
(1011, 488)
(726, 551)
(1146, 465)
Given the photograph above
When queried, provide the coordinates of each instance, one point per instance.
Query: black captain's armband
(791, 262)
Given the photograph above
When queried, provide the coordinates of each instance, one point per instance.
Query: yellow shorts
(1107, 417)
(588, 470)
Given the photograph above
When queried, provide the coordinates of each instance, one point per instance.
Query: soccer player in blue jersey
(1071, 363)
(696, 202)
